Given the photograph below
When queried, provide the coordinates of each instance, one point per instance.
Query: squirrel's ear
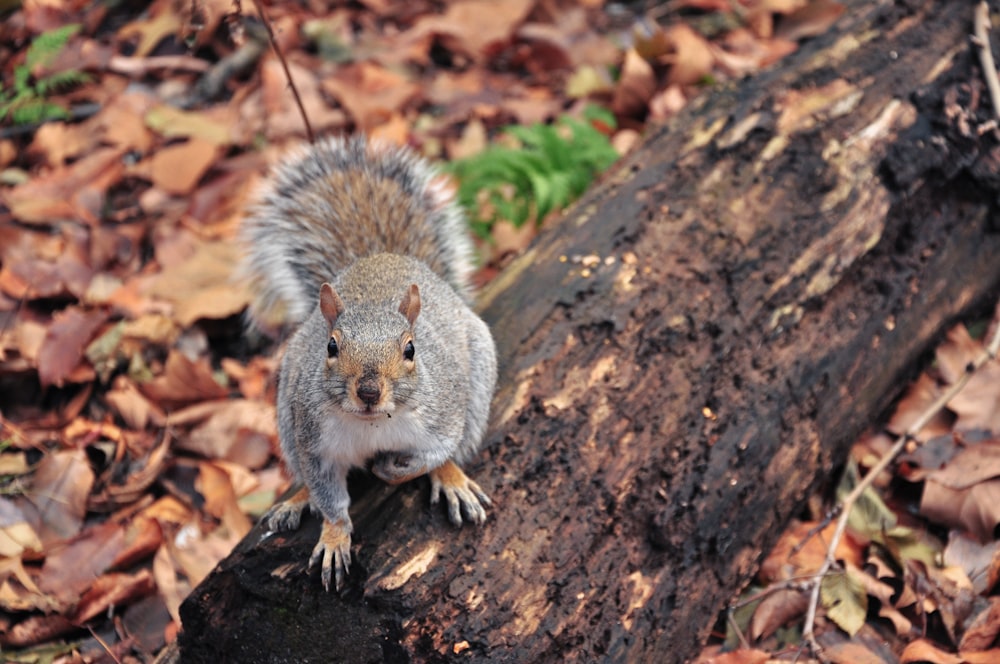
(410, 306)
(330, 304)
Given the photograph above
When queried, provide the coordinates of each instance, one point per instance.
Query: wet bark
(684, 359)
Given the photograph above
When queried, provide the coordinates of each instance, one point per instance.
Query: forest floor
(138, 440)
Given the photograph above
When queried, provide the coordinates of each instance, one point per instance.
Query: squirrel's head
(370, 353)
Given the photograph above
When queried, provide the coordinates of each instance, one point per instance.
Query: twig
(981, 26)
(284, 65)
(988, 353)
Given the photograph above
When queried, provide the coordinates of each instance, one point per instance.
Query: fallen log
(684, 359)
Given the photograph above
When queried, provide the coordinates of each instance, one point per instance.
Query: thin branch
(981, 26)
(987, 354)
(284, 65)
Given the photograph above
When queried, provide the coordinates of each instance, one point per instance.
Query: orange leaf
(177, 168)
(113, 590)
(923, 650)
(184, 381)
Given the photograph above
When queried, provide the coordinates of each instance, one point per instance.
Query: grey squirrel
(361, 247)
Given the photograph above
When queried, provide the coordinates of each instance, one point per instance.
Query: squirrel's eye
(332, 349)
(408, 351)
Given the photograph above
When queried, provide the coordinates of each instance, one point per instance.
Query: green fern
(25, 102)
(551, 166)
(46, 46)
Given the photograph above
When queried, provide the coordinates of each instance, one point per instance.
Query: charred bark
(760, 279)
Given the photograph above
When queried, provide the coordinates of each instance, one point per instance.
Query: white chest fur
(348, 441)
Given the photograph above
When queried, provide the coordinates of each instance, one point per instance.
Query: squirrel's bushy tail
(326, 205)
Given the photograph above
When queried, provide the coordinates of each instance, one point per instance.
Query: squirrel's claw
(286, 515)
(460, 492)
(333, 552)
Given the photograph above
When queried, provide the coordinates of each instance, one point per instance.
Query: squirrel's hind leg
(287, 514)
(460, 493)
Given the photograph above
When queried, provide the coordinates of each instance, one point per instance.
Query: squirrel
(361, 247)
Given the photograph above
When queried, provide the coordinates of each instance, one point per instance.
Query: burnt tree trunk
(769, 267)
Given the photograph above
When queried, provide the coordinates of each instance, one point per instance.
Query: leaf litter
(921, 561)
(137, 435)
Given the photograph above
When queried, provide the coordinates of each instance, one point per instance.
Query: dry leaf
(74, 192)
(635, 87)
(370, 93)
(113, 590)
(184, 381)
(975, 509)
(132, 406)
(777, 609)
(478, 28)
(977, 560)
(58, 494)
(811, 19)
(177, 168)
(201, 285)
(220, 499)
(923, 650)
(16, 534)
(62, 350)
(692, 59)
(918, 398)
(784, 562)
(971, 465)
(237, 430)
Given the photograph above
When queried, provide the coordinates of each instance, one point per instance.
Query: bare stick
(988, 353)
(284, 65)
(981, 26)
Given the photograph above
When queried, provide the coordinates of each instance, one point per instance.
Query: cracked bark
(768, 277)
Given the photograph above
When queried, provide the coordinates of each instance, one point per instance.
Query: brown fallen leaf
(978, 404)
(970, 465)
(45, 264)
(237, 430)
(164, 20)
(477, 28)
(282, 117)
(177, 168)
(36, 629)
(809, 20)
(132, 406)
(793, 555)
(201, 285)
(976, 559)
(220, 498)
(983, 630)
(914, 403)
(74, 192)
(776, 610)
(16, 533)
(975, 509)
(183, 381)
(113, 590)
(636, 85)
(62, 349)
(923, 650)
(739, 656)
(370, 93)
(57, 500)
(692, 58)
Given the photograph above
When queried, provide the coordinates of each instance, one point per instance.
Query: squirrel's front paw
(286, 515)
(461, 494)
(397, 467)
(334, 550)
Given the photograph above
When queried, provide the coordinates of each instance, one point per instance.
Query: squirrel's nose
(368, 391)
